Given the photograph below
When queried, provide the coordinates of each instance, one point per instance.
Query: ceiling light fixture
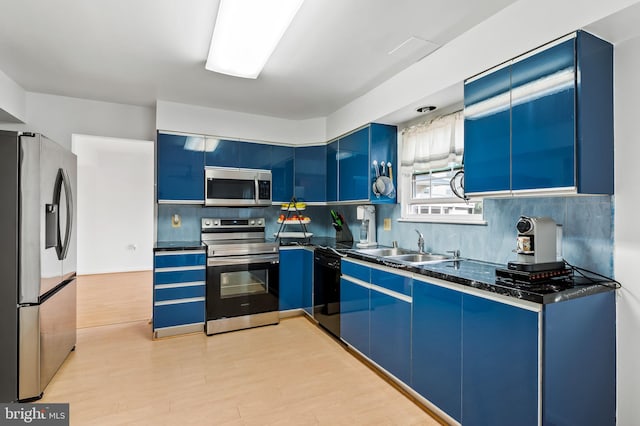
(246, 33)
(426, 108)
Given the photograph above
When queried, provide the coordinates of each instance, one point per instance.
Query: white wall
(115, 204)
(230, 124)
(12, 100)
(627, 231)
(59, 117)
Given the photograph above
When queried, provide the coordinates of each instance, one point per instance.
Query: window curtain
(433, 145)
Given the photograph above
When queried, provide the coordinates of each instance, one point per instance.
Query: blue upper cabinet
(222, 153)
(547, 117)
(282, 159)
(383, 149)
(254, 155)
(332, 171)
(353, 166)
(310, 173)
(180, 168)
(487, 132)
(543, 119)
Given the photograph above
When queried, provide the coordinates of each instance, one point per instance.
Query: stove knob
(259, 221)
(207, 223)
(253, 222)
(215, 223)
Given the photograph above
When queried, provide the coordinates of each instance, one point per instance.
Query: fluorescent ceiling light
(246, 34)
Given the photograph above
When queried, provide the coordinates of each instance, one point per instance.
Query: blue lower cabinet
(499, 364)
(391, 334)
(436, 349)
(182, 292)
(307, 281)
(579, 358)
(291, 279)
(354, 314)
(179, 313)
(179, 287)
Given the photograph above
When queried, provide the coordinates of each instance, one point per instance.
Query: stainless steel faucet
(455, 253)
(420, 242)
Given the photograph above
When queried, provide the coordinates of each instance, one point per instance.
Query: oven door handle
(243, 260)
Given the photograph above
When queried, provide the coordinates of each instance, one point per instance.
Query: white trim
(181, 268)
(179, 285)
(394, 294)
(390, 270)
(179, 252)
(455, 219)
(192, 202)
(196, 327)
(356, 281)
(178, 301)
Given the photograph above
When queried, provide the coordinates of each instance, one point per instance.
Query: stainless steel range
(242, 275)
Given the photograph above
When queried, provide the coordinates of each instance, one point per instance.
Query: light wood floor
(288, 374)
(114, 298)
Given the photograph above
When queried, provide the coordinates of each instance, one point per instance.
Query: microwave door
(230, 192)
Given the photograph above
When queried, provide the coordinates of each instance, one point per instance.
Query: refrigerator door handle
(62, 181)
(51, 225)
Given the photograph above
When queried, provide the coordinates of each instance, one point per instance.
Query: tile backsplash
(587, 227)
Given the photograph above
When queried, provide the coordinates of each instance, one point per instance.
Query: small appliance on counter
(367, 214)
(537, 245)
(343, 233)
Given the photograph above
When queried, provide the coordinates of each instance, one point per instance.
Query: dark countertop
(178, 245)
(482, 275)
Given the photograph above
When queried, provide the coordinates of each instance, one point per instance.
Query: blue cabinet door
(222, 153)
(307, 281)
(332, 171)
(291, 279)
(254, 155)
(282, 158)
(499, 364)
(543, 119)
(487, 132)
(310, 173)
(353, 166)
(391, 334)
(180, 168)
(354, 315)
(579, 359)
(437, 346)
(384, 148)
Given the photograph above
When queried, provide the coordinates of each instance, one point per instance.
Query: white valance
(433, 145)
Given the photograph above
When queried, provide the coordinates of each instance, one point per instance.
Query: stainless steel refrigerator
(37, 262)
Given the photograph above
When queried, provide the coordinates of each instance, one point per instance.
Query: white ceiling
(135, 52)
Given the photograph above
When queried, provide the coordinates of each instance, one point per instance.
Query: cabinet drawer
(397, 283)
(180, 276)
(181, 292)
(356, 270)
(172, 314)
(177, 260)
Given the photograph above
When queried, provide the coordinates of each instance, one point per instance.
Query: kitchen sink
(384, 252)
(420, 257)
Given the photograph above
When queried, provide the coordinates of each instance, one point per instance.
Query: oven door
(242, 285)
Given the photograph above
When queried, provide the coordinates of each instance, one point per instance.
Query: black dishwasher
(326, 289)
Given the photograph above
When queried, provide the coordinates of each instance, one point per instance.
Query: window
(431, 173)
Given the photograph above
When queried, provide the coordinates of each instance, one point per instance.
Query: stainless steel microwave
(237, 187)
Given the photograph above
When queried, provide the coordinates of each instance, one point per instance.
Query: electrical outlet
(176, 221)
(387, 224)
